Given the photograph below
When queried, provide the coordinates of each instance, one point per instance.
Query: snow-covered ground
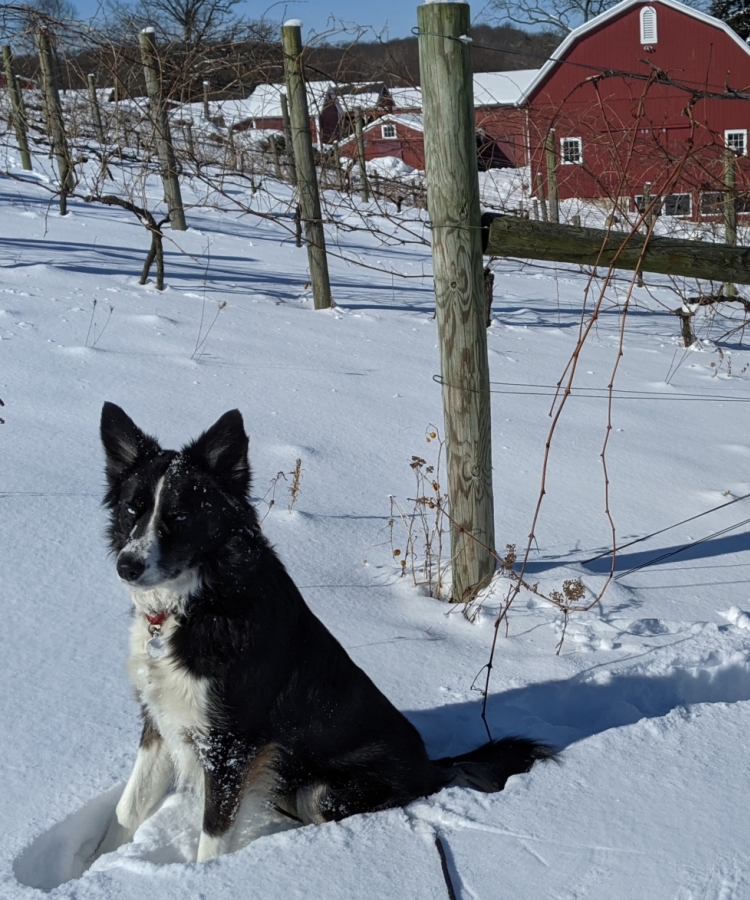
(649, 697)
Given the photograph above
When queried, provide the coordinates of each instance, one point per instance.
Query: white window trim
(388, 137)
(743, 132)
(570, 162)
(649, 39)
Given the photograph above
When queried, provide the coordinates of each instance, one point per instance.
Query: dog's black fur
(282, 697)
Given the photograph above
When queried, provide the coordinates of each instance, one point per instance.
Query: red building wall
(634, 127)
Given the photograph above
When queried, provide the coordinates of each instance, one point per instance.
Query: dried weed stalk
(269, 498)
(421, 550)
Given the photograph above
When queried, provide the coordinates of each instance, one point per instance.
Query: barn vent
(649, 34)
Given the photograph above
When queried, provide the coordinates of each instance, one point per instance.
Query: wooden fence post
(364, 187)
(16, 107)
(553, 196)
(162, 134)
(540, 194)
(304, 159)
(453, 202)
(206, 109)
(98, 126)
(730, 209)
(53, 112)
(337, 163)
(288, 143)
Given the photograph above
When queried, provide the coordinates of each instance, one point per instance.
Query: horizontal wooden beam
(528, 239)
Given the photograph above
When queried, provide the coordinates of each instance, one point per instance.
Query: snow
(649, 696)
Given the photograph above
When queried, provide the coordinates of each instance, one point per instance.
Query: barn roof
(612, 13)
(502, 88)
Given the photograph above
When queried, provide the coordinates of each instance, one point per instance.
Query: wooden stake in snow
(288, 139)
(364, 190)
(16, 107)
(54, 117)
(553, 196)
(98, 127)
(730, 209)
(453, 202)
(206, 109)
(304, 158)
(162, 134)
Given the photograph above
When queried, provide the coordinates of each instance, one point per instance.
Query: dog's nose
(129, 567)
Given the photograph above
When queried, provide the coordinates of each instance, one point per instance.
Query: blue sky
(397, 16)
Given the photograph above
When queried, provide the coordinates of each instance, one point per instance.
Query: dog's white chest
(176, 701)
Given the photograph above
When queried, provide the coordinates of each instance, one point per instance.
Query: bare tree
(193, 22)
(560, 16)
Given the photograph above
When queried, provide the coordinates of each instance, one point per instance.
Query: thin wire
(657, 559)
(551, 390)
(662, 530)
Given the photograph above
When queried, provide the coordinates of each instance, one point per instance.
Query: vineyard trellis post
(359, 131)
(553, 195)
(288, 138)
(54, 117)
(304, 160)
(98, 126)
(453, 202)
(162, 134)
(17, 108)
(730, 208)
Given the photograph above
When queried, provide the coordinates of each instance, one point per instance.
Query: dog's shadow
(557, 712)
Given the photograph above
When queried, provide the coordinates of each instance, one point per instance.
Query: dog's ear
(222, 451)
(123, 440)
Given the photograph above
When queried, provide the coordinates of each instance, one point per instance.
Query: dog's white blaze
(146, 547)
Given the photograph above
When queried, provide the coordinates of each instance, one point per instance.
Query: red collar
(158, 619)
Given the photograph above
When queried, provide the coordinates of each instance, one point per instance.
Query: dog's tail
(488, 767)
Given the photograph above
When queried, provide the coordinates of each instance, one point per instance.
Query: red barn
(648, 92)
(400, 135)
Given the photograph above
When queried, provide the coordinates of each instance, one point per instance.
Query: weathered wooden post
(206, 109)
(288, 143)
(730, 209)
(97, 114)
(162, 134)
(648, 211)
(304, 159)
(16, 108)
(337, 163)
(364, 187)
(189, 139)
(453, 201)
(276, 160)
(540, 195)
(53, 112)
(553, 196)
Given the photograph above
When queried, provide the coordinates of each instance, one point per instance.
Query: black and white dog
(242, 688)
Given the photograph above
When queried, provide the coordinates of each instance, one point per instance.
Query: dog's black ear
(123, 440)
(222, 451)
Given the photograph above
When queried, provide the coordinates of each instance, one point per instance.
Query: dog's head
(169, 508)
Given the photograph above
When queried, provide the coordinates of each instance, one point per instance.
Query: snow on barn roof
(411, 120)
(612, 13)
(490, 89)
(502, 88)
(406, 98)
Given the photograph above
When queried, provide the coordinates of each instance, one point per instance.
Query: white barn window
(571, 151)
(649, 33)
(388, 131)
(736, 140)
